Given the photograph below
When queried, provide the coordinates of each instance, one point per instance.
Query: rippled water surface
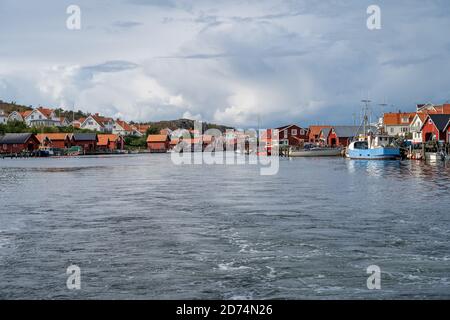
(140, 227)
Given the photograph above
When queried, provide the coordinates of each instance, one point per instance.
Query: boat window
(361, 145)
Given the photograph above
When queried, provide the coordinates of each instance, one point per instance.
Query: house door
(30, 147)
(333, 141)
(429, 136)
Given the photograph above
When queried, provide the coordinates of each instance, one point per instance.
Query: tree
(152, 130)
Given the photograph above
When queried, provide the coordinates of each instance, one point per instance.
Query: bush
(136, 142)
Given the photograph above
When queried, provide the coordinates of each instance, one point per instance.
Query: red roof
(25, 114)
(101, 120)
(157, 138)
(315, 130)
(124, 125)
(52, 136)
(396, 119)
(104, 139)
(442, 109)
(45, 111)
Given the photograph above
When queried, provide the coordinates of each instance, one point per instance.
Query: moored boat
(362, 150)
(316, 152)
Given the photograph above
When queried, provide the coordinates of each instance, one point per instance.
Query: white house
(122, 128)
(41, 117)
(15, 116)
(397, 124)
(3, 117)
(416, 126)
(63, 122)
(96, 122)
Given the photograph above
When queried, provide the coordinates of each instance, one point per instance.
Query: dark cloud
(126, 24)
(110, 66)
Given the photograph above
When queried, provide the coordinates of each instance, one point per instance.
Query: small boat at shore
(316, 152)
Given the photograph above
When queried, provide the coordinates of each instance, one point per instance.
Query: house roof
(124, 125)
(25, 114)
(100, 120)
(430, 108)
(142, 128)
(157, 138)
(315, 130)
(350, 131)
(288, 126)
(84, 136)
(441, 121)
(395, 119)
(15, 138)
(104, 139)
(422, 116)
(52, 136)
(325, 131)
(45, 111)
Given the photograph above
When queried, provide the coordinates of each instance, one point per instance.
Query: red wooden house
(341, 136)
(110, 142)
(18, 142)
(436, 127)
(55, 140)
(87, 141)
(158, 143)
(292, 135)
(314, 133)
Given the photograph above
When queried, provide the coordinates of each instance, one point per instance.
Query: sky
(240, 63)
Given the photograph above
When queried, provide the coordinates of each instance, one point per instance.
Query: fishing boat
(371, 146)
(370, 151)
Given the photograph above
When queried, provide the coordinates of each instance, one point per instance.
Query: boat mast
(365, 111)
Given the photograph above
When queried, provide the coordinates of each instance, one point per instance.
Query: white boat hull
(331, 152)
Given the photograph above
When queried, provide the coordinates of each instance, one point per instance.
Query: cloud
(233, 62)
(126, 24)
(108, 66)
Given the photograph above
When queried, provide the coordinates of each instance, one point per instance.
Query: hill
(9, 107)
(185, 124)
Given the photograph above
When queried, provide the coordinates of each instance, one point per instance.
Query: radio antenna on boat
(366, 109)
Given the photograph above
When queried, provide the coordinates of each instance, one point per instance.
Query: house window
(294, 132)
(405, 120)
(392, 130)
(302, 132)
(285, 134)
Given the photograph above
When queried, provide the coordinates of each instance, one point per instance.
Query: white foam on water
(272, 273)
(229, 267)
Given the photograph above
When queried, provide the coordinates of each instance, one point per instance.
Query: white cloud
(225, 61)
